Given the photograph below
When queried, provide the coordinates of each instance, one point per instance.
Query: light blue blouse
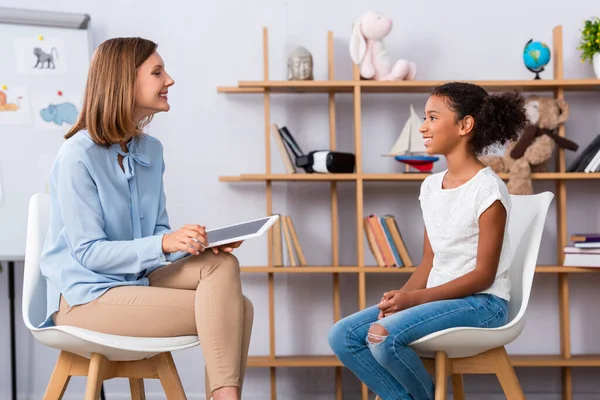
(106, 224)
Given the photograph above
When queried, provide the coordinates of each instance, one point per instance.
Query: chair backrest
(525, 228)
(34, 284)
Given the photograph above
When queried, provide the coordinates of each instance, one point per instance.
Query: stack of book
(284, 231)
(584, 252)
(385, 241)
(588, 159)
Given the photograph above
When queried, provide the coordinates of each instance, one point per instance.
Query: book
(372, 243)
(290, 226)
(585, 237)
(585, 157)
(398, 241)
(283, 152)
(587, 245)
(578, 257)
(390, 242)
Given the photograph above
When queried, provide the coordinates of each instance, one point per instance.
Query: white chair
(457, 351)
(86, 353)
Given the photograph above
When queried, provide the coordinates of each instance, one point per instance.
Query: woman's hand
(396, 300)
(227, 248)
(191, 239)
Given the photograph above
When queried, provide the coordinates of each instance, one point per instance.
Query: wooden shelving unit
(557, 86)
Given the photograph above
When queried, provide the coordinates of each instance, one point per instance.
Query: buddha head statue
(300, 65)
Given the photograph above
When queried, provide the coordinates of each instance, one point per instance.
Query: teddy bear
(535, 145)
(368, 51)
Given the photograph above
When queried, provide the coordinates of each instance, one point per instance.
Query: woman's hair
(498, 117)
(107, 111)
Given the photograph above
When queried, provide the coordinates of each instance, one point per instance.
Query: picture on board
(55, 110)
(14, 106)
(40, 56)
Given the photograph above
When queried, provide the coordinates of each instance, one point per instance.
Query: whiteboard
(31, 129)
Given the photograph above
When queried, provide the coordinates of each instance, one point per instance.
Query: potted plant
(589, 44)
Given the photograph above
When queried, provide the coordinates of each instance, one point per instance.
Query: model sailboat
(410, 148)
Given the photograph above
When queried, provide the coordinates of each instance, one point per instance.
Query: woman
(111, 261)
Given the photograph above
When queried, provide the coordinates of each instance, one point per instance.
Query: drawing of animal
(45, 58)
(60, 113)
(8, 107)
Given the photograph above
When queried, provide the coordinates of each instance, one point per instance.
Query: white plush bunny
(368, 51)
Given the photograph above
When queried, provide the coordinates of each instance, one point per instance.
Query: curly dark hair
(498, 117)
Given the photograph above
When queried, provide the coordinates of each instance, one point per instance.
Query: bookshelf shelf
(568, 176)
(289, 177)
(234, 89)
(293, 361)
(547, 361)
(541, 269)
(490, 85)
(345, 86)
(355, 87)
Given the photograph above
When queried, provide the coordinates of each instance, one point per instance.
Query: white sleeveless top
(451, 218)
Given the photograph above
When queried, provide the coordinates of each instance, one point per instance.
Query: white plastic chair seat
(464, 342)
(84, 342)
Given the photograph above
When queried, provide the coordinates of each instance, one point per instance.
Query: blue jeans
(389, 367)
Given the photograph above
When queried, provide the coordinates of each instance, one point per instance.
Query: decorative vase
(596, 64)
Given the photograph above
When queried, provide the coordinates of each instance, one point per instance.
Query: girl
(111, 261)
(462, 279)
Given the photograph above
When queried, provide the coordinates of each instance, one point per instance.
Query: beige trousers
(198, 295)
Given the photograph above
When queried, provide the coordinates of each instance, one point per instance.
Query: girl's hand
(227, 248)
(191, 239)
(396, 300)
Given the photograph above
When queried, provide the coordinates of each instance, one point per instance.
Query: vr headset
(319, 161)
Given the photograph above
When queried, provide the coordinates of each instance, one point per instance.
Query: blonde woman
(111, 261)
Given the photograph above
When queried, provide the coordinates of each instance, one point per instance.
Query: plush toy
(535, 145)
(368, 51)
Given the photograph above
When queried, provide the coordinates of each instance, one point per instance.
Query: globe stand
(537, 73)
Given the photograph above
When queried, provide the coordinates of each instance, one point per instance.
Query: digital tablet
(242, 231)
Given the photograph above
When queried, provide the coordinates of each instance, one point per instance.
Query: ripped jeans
(385, 363)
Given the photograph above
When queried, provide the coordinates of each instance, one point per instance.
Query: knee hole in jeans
(377, 334)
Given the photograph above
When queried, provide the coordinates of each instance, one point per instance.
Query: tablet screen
(234, 231)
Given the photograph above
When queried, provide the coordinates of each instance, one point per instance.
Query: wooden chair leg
(458, 389)
(136, 386)
(441, 375)
(507, 376)
(97, 373)
(60, 377)
(169, 378)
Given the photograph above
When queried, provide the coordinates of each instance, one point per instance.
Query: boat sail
(410, 147)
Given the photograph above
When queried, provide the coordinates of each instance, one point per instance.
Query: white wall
(208, 44)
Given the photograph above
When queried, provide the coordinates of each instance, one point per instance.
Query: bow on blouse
(129, 159)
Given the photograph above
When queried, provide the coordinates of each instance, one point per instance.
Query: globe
(536, 56)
